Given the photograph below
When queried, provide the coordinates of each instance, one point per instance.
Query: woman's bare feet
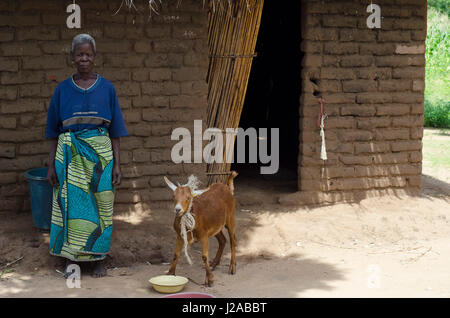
(67, 270)
(98, 269)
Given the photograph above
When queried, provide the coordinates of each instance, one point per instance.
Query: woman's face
(83, 57)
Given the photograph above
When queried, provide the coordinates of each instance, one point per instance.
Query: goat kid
(210, 211)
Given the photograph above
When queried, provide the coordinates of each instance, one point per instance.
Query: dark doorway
(273, 94)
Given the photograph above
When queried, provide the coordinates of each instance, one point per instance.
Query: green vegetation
(437, 113)
(439, 5)
(436, 149)
(437, 91)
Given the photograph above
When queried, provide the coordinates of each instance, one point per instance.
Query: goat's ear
(170, 184)
(198, 192)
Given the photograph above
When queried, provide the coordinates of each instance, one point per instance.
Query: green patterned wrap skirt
(82, 209)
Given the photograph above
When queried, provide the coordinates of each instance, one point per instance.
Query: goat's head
(181, 197)
(183, 194)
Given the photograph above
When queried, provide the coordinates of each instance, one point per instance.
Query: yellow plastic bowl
(168, 284)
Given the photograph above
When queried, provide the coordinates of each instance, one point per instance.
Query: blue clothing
(74, 108)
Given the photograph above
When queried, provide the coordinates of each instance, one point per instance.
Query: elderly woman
(84, 124)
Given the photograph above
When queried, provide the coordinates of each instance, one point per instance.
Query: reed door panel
(232, 34)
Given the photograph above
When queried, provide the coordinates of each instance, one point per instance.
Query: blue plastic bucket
(41, 193)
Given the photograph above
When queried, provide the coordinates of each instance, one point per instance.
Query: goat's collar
(194, 193)
(190, 205)
(187, 224)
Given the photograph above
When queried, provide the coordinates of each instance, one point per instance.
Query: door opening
(273, 93)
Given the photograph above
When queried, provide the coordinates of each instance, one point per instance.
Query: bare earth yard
(380, 247)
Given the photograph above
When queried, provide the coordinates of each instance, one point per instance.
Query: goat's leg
(176, 256)
(230, 228)
(222, 241)
(209, 279)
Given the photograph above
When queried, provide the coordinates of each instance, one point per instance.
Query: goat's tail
(230, 181)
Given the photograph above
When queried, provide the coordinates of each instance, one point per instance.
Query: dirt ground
(392, 246)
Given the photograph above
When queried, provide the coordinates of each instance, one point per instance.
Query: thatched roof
(154, 6)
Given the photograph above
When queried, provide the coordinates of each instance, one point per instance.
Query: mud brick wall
(372, 81)
(157, 66)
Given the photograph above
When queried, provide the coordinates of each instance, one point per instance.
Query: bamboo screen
(232, 34)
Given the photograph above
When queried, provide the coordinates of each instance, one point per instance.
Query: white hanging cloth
(323, 149)
(322, 116)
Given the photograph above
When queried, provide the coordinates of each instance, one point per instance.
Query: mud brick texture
(158, 66)
(372, 81)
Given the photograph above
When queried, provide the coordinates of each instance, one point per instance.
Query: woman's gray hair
(82, 39)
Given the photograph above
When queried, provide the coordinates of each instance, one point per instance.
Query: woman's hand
(51, 173)
(51, 176)
(116, 175)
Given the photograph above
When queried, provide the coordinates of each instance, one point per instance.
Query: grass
(440, 5)
(437, 80)
(437, 113)
(438, 146)
(436, 153)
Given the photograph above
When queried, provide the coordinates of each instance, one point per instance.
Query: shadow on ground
(147, 237)
(433, 187)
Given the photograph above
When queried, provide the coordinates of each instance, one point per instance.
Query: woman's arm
(51, 174)
(117, 174)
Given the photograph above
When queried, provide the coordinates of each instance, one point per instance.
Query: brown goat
(212, 209)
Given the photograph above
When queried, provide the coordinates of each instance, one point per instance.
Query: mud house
(270, 71)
